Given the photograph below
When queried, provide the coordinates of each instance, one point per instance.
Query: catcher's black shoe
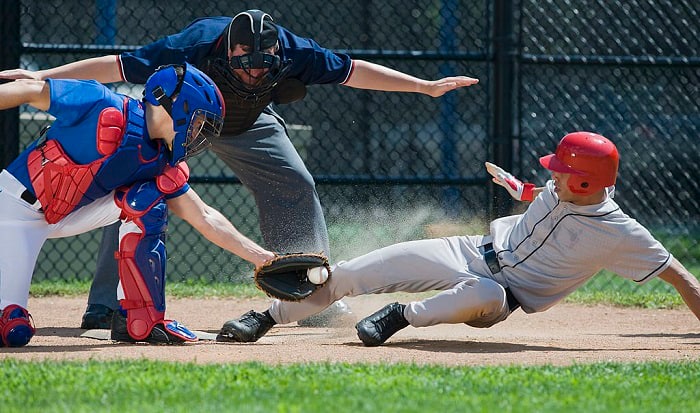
(248, 328)
(97, 316)
(169, 332)
(378, 327)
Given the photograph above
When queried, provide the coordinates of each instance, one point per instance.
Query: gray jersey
(555, 247)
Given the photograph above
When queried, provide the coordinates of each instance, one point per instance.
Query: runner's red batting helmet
(591, 159)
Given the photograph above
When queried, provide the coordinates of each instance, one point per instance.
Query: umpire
(255, 63)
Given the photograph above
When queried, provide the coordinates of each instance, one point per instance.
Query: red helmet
(591, 159)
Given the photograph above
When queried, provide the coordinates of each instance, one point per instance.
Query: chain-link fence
(629, 70)
(388, 164)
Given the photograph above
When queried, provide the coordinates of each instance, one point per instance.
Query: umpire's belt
(12, 186)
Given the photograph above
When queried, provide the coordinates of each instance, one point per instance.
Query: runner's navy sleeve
(193, 44)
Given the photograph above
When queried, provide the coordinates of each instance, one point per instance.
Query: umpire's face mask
(254, 67)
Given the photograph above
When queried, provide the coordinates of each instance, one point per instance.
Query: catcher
(572, 229)
(110, 158)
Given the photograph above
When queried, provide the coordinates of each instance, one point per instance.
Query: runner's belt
(491, 259)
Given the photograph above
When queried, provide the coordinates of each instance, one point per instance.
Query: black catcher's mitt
(284, 276)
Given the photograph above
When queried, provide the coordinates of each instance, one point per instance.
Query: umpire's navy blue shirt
(206, 37)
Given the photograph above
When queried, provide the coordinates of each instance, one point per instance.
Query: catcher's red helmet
(591, 159)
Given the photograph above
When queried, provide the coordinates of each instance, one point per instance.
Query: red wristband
(528, 192)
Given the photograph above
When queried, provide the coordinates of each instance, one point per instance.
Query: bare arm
(372, 76)
(685, 283)
(216, 228)
(33, 92)
(104, 69)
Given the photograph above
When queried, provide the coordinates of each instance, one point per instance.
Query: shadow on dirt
(455, 346)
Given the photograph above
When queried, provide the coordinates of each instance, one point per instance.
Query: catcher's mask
(253, 28)
(591, 159)
(193, 102)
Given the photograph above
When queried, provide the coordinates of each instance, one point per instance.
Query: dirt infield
(563, 335)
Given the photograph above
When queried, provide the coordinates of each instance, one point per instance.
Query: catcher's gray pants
(268, 165)
(452, 264)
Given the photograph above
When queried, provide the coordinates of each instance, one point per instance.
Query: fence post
(10, 44)
(448, 112)
(505, 60)
(105, 21)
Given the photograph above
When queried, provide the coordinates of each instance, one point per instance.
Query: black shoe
(337, 314)
(168, 332)
(97, 316)
(248, 328)
(377, 328)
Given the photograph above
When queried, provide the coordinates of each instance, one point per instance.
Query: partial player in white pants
(20, 221)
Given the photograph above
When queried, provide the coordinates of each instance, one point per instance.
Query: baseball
(317, 275)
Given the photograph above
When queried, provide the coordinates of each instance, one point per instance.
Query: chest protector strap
(59, 182)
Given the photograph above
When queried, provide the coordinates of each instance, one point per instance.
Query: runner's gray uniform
(544, 255)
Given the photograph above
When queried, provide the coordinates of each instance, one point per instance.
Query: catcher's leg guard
(141, 261)
(16, 326)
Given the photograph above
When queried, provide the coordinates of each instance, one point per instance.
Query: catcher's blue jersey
(77, 106)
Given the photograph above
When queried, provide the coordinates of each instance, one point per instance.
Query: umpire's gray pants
(268, 165)
(453, 265)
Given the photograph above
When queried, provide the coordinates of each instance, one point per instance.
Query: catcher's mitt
(284, 276)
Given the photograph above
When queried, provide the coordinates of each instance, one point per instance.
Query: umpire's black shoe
(248, 328)
(169, 332)
(97, 316)
(377, 328)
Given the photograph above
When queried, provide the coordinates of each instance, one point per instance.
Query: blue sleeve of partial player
(73, 100)
(193, 44)
(311, 63)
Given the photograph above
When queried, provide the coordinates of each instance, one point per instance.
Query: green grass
(190, 289)
(150, 386)
(607, 288)
(147, 386)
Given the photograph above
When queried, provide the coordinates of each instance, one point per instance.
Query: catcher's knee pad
(141, 258)
(16, 326)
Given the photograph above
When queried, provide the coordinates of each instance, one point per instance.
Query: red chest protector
(58, 181)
